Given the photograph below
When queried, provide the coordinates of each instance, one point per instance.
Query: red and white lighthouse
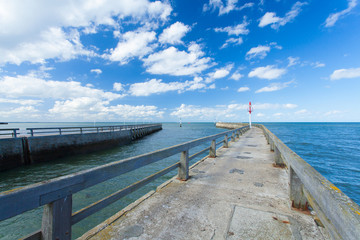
(250, 110)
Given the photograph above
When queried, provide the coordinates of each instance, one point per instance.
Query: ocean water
(331, 148)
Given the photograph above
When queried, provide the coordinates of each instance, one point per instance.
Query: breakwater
(230, 125)
(46, 144)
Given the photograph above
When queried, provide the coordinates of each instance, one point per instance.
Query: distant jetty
(3, 123)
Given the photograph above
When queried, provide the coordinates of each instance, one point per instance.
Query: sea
(333, 149)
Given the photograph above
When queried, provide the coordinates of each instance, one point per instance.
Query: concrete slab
(237, 195)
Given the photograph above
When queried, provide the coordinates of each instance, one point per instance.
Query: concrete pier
(239, 194)
(18, 151)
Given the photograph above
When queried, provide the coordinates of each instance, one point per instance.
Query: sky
(143, 60)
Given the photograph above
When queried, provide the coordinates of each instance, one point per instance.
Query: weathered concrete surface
(237, 195)
(11, 153)
(230, 125)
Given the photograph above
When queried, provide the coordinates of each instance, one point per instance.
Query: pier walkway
(240, 194)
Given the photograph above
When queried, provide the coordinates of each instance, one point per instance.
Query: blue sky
(142, 60)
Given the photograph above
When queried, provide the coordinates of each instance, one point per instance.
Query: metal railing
(9, 132)
(56, 194)
(338, 213)
(82, 130)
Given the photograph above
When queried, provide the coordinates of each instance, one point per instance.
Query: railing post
(233, 137)
(278, 158)
(59, 131)
(271, 144)
(56, 221)
(212, 153)
(226, 142)
(297, 196)
(237, 134)
(183, 172)
(14, 133)
(81, 130)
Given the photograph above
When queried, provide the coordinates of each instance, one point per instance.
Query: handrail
(81, 130)
(339, 214)
(57, 193)
(9, 132)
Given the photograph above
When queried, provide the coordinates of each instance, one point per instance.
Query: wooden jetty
(252, 187)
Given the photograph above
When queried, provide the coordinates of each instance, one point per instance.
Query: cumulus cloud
(132, 44)
(174, 33)
(259, 52)
(223, 112)
(219, 73)
(301, 112)
(118, 87)
(22, 86)
(39, 30)
(236, 76)
(232, 41)
(345, 73)
(270, 18)
(293, 61)
(21, 102)
(236, 30)
(171, 61)
(274, 87)
(334, 17)
(157, 86)
(318, 65)
(230, 5)
(269, 72)
(243, 89)
(97, 71)
(18, 113)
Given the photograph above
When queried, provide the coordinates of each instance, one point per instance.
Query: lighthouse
(250, 110)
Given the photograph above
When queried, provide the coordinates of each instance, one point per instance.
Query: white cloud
(174, 33)
(268, 72)
(236, 30)
(18, 113)
(232, 41)
(23, 86)
(178, 63)
(132, 44)
(345, 73)
(259, 51)
(274, 87)
(334, 17)
(21, 101)
(243, 89)
(318, 65)
(39, 30)
(293, 61)
(236, 76)
(276, 22)
(53, 43)
(203, 113)
(97, 71)
(90, 108)
(157, 86)
(225, 8)
(260, 115)
(118, 87)
(219, 73)
(278, 114)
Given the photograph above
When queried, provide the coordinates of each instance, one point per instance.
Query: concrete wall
(11, 153)
(230, 125)
(15, 152)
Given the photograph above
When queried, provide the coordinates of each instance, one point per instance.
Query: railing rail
(56, 194)
(81, 130)
(9, 132)
(338, 213)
